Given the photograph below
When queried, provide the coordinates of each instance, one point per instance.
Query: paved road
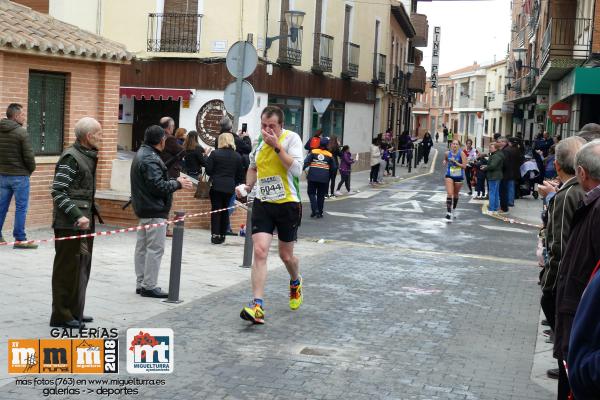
(399, 306)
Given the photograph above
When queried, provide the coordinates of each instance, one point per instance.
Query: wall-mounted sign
(219, 46)
(208, 118)
(435, 56)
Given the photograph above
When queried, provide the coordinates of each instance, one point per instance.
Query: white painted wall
(187, 116)
(82, 13)
(358, 123)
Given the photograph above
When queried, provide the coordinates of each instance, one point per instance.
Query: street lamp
(294, 20)
(518, 54)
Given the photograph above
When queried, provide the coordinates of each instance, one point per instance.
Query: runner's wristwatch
(277, 149)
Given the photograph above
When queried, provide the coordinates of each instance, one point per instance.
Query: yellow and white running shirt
(275, 183)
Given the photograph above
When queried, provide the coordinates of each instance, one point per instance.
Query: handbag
(203, 188)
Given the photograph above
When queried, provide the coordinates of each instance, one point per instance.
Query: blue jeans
(19, 187)
(511, 193)
(494, 194)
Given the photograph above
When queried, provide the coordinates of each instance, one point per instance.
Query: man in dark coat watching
(173, 151)
(562, 201)
(152, 196)
(73, 192)
(580, 257)
(17, 163)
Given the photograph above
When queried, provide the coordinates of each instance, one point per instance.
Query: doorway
(149, 112)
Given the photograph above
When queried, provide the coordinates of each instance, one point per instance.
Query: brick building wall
(596, 30)
(92, 89)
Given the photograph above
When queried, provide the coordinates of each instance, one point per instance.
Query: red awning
(155, 93)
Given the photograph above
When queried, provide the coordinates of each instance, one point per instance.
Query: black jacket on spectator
(194, 160)
(224, 166)
(172, 155)
(151, 188)
(576, 266)
(511, 167)
(243, 146)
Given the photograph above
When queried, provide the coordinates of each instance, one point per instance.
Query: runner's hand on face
(269, 137)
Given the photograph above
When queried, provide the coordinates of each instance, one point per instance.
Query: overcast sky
(471, 31)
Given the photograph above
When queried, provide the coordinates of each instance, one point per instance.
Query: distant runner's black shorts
(284, 217)
(456, 179)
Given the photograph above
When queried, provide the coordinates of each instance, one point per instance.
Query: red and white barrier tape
(117, 231)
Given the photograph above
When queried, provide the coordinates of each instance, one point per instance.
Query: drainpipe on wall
(99, 18)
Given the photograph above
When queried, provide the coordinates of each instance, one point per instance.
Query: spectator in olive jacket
(17, 163)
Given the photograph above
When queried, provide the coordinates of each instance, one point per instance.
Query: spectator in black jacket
(224, 166)
(510, 173)
(151, 197)
(243, 145)
(173, 152)
(195, 157)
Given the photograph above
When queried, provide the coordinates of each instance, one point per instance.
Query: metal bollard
(416, 155)
(176, 253)
(396, 155)
(248, 245)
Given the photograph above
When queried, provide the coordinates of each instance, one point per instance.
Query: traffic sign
(560, 113)
(246, 98)
(241, 59)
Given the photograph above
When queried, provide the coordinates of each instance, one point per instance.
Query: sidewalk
(527, 211)
(27, 291)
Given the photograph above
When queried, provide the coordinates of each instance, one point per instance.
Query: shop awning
(140, 93)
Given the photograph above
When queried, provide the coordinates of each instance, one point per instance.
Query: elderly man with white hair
(73, 191)
(580, 256)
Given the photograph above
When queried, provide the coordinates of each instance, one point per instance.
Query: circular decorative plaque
(208, 119)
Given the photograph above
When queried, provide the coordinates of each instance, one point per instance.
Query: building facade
(328, 64)
(496, 119)
(553, 58)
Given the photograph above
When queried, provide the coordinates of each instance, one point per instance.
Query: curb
(484, 211)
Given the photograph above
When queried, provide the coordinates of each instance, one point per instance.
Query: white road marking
(349, 215)
(438, 197)
(403, 195)
(505, 229)
(409, 206)
(364, 195)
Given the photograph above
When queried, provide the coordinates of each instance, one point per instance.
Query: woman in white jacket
(375, 162)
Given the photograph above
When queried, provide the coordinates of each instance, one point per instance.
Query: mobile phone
(244, 127)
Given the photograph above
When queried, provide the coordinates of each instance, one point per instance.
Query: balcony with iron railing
(174, 33)
(290, 50)
(567, 38)
(351, 60)
(379, 69)
(322, 60)
(521, 38)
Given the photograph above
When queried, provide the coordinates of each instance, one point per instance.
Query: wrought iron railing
(521, 38)
(567, 38)
(174, 32)
(379, 72)
(290, 50)
(323, 59)
(350, 64)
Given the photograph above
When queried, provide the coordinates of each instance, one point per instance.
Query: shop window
(331, 122)
(45, 112)
(293, 112)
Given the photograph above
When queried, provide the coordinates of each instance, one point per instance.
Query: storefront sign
(208, 119)
(435, 57)
(560, 113)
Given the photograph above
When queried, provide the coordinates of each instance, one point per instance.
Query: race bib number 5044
(271, 188)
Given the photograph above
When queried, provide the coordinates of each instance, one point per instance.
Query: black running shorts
(284, 217)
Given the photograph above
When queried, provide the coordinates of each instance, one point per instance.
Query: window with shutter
(45, 112)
